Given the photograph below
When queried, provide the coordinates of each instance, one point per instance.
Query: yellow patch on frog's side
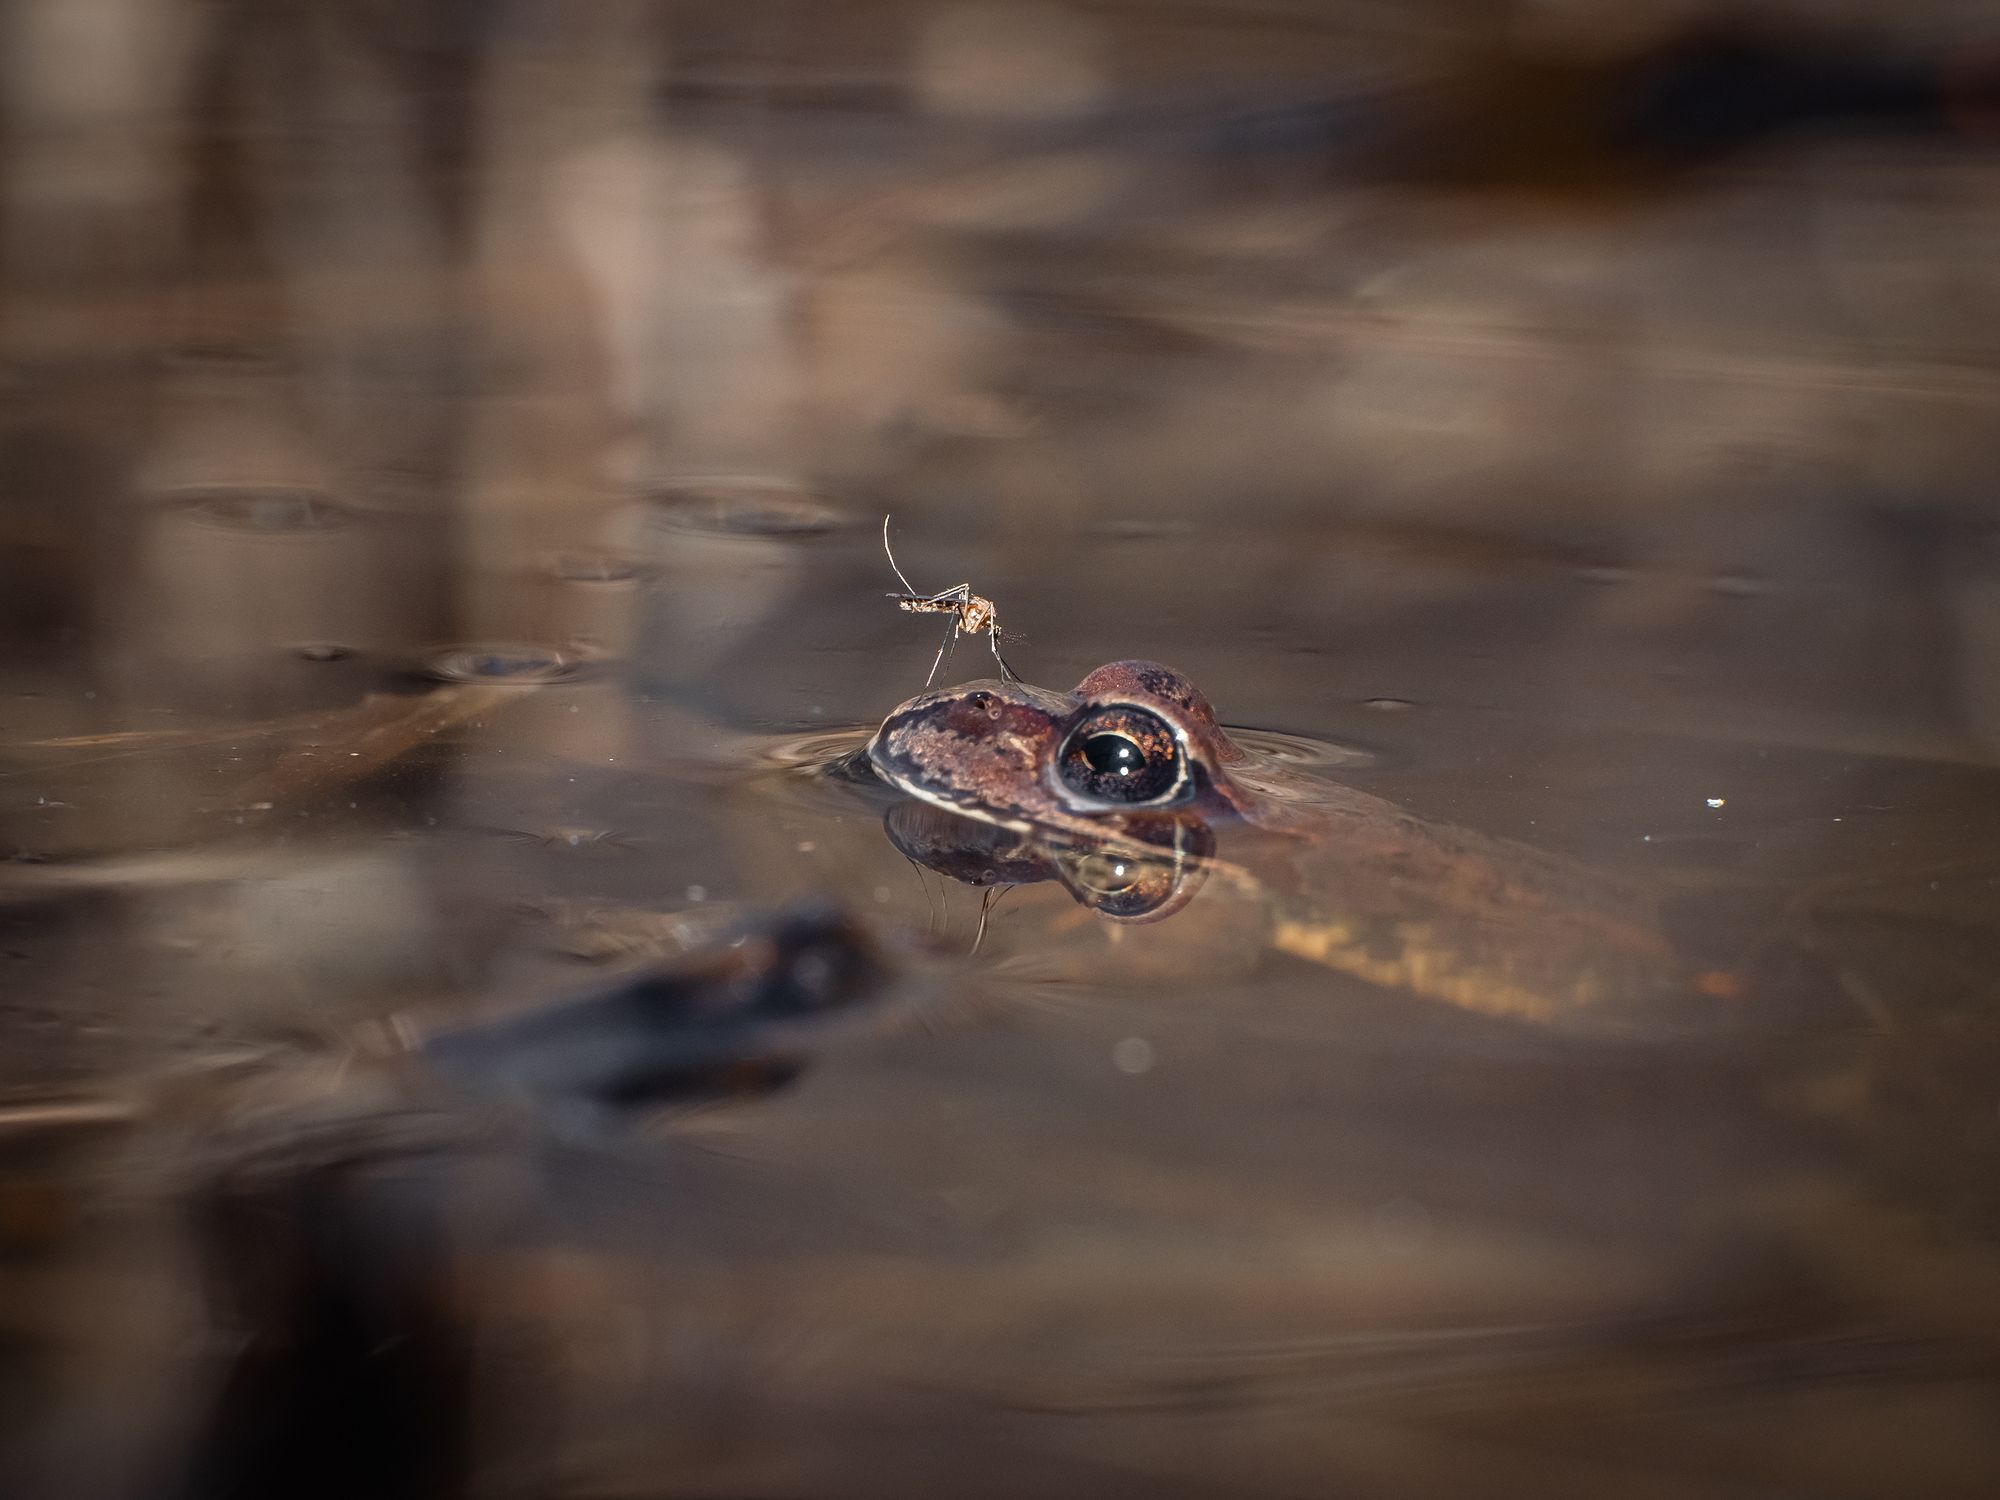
(1423, 967)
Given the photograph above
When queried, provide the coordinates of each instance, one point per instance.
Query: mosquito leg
(958, 593)
(950, 635)
(1007, 673)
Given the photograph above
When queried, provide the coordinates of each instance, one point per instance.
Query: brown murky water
(443, 569)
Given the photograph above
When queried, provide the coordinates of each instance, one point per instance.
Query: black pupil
(1113, 755)
(1120, 754)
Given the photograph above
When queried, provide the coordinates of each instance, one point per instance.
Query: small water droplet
(1388, 705)
(322, 651)
(697, 893)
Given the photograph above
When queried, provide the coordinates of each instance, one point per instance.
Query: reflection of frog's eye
(1141, 884)
(1125, 755)
(1107, 874)
(1119, 885)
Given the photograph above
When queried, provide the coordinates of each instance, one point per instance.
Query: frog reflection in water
(1114, 789)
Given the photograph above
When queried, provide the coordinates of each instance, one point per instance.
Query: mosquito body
(971, 614)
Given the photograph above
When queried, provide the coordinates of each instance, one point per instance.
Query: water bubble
(1389, 705)
(322, 651)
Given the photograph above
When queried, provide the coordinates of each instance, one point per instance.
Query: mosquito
(970, 614)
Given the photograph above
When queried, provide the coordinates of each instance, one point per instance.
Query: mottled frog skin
(1134, 763)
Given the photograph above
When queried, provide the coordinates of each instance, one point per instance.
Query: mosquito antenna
(908, 587)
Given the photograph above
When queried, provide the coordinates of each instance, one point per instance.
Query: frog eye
(1123, 755)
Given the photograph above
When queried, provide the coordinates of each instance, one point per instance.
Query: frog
(1119, 788)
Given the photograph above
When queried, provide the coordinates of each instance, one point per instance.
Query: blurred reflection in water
(444, 451)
